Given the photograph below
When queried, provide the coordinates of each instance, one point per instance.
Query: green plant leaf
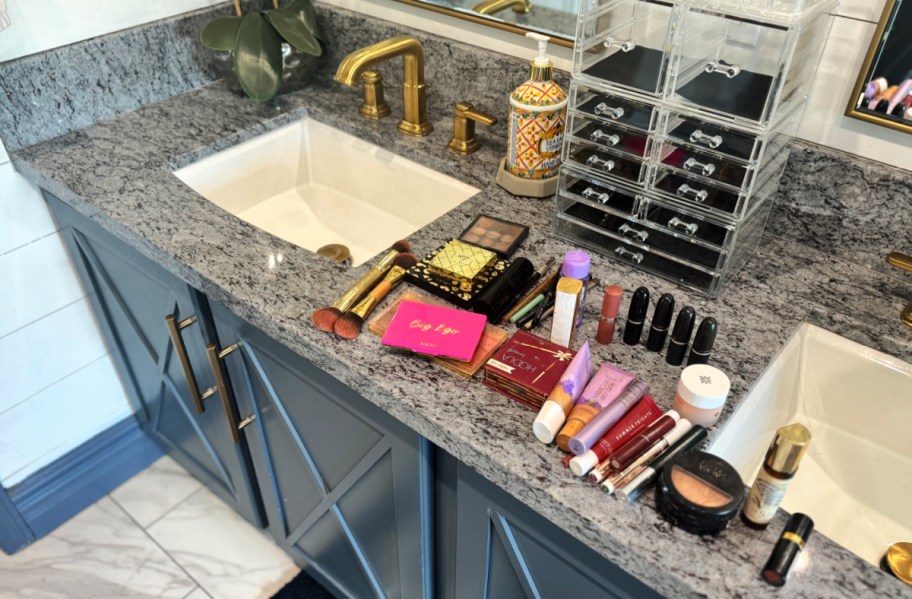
(220, 33)
(294, 32)
(303, 10)
(258, 58)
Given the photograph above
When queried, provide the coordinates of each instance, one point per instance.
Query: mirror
(883, 92)
(556, 18)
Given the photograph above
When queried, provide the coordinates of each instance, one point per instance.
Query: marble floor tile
(227, 556)
(99, 553)
(153, 492)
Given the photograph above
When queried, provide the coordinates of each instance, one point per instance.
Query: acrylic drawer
(742, 69)
(625, 44)
(629, 252)
(587, 189)
(613, 109)
(722, 201)
(601, 162)
(649, 236)
(607, 136)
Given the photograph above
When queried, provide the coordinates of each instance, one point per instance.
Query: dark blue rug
(303, 586)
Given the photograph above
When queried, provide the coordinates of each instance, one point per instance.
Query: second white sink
(313, 185)
(855, 480)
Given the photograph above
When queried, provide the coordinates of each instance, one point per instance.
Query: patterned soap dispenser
(538, 112)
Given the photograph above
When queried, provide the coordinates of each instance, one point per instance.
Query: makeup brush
(348, 326)
(325, 318)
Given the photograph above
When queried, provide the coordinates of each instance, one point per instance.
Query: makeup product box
(527, 368)
(491, 338)
(456, 272)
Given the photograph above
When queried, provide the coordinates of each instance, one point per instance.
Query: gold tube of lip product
(348, 299)
(566, 306)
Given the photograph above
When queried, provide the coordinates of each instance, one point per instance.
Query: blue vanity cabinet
(132, 297)
(503, 548)
(346, 488)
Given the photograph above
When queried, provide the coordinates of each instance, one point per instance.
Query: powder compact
(699, 492)
(497, 235)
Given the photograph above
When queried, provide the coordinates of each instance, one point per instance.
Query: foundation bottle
(775, 476)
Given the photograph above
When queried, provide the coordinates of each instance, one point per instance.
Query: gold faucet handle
(900, 260)
(374, 105)
(463, 140)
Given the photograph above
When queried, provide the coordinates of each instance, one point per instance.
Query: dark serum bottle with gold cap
(775, 476)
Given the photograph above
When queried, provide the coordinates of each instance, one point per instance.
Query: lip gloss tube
(632, 450)
(608, 417)
(614, 483)
(637, 419)
(608, 383)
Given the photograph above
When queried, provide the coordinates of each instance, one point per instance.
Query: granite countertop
(118, 172)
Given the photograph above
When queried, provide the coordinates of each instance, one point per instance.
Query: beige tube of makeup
(560, 401)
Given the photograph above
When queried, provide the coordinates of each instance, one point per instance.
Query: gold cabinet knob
(464, 119)
(374, 106)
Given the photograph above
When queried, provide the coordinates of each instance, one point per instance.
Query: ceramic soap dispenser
(538, 112)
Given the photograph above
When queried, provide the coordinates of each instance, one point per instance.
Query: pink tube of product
(605, 387)
(604, 420)
(560, 401)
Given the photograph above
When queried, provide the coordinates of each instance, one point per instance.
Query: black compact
(495, 234)
(699, 492)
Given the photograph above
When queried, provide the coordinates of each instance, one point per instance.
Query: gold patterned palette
(461, 262)
(421, 275)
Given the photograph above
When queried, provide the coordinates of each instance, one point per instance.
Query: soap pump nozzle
(542, 67)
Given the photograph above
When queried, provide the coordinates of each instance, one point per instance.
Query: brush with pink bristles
(325, 318)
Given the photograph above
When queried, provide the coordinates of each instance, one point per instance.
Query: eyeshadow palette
(421, 275)
(497, 235)
(460, 262)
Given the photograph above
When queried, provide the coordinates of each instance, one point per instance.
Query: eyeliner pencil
(539, 289)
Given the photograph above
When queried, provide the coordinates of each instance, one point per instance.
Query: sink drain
(336, 252)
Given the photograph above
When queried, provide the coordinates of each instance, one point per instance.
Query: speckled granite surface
(117, 172)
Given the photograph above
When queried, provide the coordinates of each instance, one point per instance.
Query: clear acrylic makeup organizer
(679, 119)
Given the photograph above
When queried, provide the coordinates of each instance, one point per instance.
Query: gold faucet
(414, 96)
(490, 7)
(904, 262)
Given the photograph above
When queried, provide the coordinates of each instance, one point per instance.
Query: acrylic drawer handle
(605, 138)
(677, 223)
(704, 168)
(174, 330)
(713, 141)
(635, 257)
(612, 112)
(628, 231)
(223, 387)
(720, 66)
(699, 195)
(622, 45)
(596, 162)
(601, 197)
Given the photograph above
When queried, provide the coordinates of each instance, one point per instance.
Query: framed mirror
(555, 18)
(883, 91)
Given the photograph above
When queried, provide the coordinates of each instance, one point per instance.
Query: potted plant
(266, 47)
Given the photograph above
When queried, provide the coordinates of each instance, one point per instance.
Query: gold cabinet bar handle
(223, 387)
(174, 329)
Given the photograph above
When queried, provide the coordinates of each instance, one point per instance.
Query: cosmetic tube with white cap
(630, 491)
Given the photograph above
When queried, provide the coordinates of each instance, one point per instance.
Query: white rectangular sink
(855, 480)
(313, 185)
